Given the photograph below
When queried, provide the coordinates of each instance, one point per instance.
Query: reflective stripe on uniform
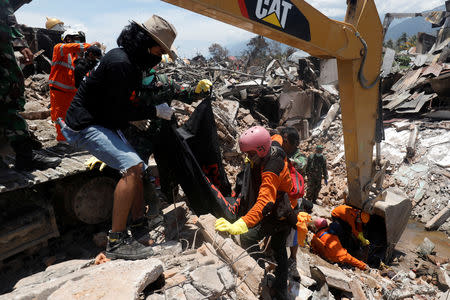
(64, 86)
(64, 64)
(323, 233)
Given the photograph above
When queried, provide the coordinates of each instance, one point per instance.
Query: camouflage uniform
(299, 161)
(12, 125)
(316, 168)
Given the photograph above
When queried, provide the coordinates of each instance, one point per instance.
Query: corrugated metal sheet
(434, 69)
(395, 99)
(407, 81)
(419, 103)
(411, 101)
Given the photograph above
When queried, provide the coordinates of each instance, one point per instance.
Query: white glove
(164, 111)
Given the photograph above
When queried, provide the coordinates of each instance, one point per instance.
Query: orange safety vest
(61, 75)
(349, 215)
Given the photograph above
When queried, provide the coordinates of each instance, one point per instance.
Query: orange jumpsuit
(329, 247)
(275, 177)
(62, 80)
(349, 215)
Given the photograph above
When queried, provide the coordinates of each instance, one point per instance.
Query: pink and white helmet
(256, 138)
(320, 223)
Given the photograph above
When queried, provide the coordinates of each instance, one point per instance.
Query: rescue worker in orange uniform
(289, 141)
(327, 244)
(271, 213)
(62, 79)
(351, 222)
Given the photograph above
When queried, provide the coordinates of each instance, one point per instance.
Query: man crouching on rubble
(272, 214)
(102, 107)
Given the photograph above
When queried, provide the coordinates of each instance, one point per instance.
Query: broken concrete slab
(119, 280)
(174, 293)
(336, 279)
(227, 278)
(191, 292)
(53, 271)
(105, 281)
(207, 281)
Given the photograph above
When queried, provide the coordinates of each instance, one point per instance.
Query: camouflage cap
(319, 147)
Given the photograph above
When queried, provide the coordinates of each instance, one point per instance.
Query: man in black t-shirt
(105, 103)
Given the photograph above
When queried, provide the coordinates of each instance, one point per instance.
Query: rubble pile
(418, 79)
(193, 261)
(37, 97)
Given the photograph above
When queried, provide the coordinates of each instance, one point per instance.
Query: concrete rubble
(193, 261)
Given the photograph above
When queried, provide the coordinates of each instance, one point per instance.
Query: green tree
(389, 44)
(412, 40)
(218, 52)
(401, 42)
(257, 50)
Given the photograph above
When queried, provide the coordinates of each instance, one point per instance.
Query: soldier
(316, 168)
(12, 126)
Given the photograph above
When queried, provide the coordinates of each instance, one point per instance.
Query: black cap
(94, 50)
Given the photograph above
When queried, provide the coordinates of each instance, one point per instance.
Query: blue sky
(102, 20)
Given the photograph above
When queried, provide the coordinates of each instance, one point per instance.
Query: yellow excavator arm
(357, 46)
(298, 24)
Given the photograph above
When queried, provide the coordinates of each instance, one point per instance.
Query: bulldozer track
(72, 163)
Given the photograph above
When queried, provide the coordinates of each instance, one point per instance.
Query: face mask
(145, 60)
(76, 41)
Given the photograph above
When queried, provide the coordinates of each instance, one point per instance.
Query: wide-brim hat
(162, 32)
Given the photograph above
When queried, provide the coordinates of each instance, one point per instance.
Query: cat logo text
(274, 12)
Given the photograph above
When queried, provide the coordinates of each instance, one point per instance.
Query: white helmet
(69, 32)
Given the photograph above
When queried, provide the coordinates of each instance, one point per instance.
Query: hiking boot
(34, 142)
(139, 228)
(122, 245)
(35, 161)
(27, 159)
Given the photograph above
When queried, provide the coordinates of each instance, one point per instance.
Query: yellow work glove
(91, 162)
(238, 227)
(363, 240)
(203, 86)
